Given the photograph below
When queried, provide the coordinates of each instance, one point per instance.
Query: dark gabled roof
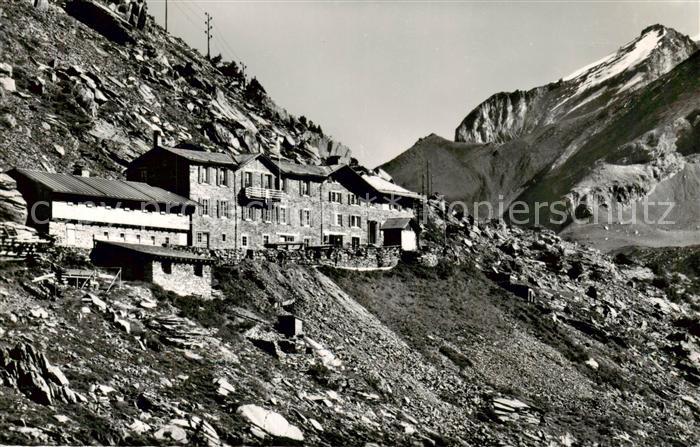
(242, 159)
(396, 223)
(101, 188)
(157, 251)
(217, 158)
(299, 170)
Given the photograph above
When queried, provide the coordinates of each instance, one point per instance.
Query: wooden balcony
(256, 193)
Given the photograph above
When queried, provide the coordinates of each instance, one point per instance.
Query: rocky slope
(498, 337)
(492, 336)
(602, 138)
(68, 95)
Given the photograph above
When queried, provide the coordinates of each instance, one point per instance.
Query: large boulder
(41, 5)
(13, 208)
(272, 423)
(101, 19)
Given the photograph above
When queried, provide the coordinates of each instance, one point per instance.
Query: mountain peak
(655, 27)
(652, 40)
(506, 116)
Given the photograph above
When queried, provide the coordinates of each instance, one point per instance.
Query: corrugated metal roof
(159, 251)
(61, 183)
(94, 187)
(396, 223)
(108, 187)
(202, 156)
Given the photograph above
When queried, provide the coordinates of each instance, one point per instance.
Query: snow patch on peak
(627, 57)
(588, 67)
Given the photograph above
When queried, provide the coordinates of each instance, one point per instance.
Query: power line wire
(225, 43)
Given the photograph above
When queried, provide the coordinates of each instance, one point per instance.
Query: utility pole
(166, 16)
(208, 33)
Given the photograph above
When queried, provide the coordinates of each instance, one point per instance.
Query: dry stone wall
(182, 278)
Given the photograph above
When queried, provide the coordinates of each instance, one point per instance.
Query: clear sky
(379, 75)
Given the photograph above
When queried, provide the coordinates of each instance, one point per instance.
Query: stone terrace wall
(365, 257)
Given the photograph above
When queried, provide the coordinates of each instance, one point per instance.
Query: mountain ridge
(609, 143)
(507, 115)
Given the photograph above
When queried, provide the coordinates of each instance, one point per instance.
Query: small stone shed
(175, 270)
(400, 232)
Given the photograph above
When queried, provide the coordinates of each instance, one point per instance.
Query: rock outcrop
(13, 208)
(102, 105)
(28, 370)
(102, 20)
(502, 117)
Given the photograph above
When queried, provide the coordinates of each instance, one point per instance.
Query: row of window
(214, 176)
(337, 197)
(221, 208)
(125, 208)
(352, 220)
(223, 177)
(277, 214)
(121, 237)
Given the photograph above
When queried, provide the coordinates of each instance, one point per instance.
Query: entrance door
(372, 232)
(335, 240)
(203, 239)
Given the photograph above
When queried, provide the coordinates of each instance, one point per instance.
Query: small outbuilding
(290, 325)
(178, 271)
(400, 231)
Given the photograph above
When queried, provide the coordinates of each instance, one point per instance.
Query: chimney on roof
(80, 170)
(156, 138)
(332, 160)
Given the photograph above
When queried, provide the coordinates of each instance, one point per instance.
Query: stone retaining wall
(365, 257)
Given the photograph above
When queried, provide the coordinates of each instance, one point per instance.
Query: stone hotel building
(249, 201)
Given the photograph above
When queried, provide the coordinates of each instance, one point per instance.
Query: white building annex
(78, 209)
